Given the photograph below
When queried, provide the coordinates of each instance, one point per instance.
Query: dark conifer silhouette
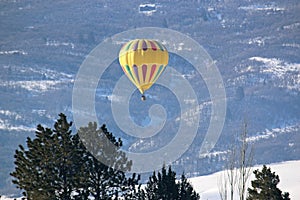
(265, 186)
(56, 165)
(163, 185)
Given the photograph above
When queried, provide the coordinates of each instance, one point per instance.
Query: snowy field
(207, 186)
(288, 172)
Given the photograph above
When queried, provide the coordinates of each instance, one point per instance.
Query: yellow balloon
(143, 61)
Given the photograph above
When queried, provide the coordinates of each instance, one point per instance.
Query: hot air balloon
(143, 61)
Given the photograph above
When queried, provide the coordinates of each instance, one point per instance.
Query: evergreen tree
(50, 167)
(265, 186)
(186, 190)
(57, 165)
(104, 181)
(164, 186)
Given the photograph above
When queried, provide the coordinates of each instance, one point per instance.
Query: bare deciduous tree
(223, 187)
(237, 169)
(245, 163)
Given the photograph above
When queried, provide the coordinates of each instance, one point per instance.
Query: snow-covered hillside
(207, 186)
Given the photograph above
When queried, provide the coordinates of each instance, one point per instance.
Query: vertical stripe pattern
(143, 61)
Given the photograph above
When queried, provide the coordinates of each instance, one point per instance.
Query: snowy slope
(207, 186)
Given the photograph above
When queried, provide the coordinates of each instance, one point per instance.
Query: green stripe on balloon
(128, 46)
(160, 46)
(158, 72)
(128, 70)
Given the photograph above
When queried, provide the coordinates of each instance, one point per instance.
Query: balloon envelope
(143, 61)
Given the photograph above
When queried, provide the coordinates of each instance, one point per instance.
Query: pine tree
(164, 186)
(105, 181)
(265, 186)
(50, 166)
(186, 190)
(57, 165)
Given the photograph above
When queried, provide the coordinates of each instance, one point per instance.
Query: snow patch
(259, 41)
(179, 47)
(34, 86)
(57, 43)
(277, 66)
(292, 26)
(13, 52)
(191, 115)
(4, 125)
(287, 73)
(262, 7)
(53, 79)
(42, 113)
(39, 112)
(214, 154)
(114, 98)
(247, 69)
(7, 198)
(273, 133)
(44, 72)
(10, 114)
(291, 144)
(294, 45)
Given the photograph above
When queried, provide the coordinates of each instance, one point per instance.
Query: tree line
(56, 165)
